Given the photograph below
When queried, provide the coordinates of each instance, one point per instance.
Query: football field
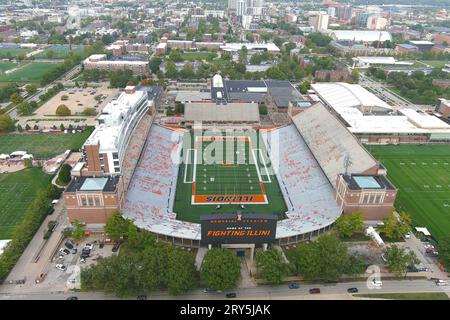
(422, 175)
(226, 174)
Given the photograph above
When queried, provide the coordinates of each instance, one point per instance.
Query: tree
(171, 70)
(444, 251)
(243, 54)
(24, 108)
(398, 259)
(394, 228)
(181, 272)
(347, 225)
(325, 259)
(78, 230)
(154, 64)
(31, 89)
(16, 98)
(6, 123)
(116, 226)
(220, 269)
(89, 112)
(289, 46)
(304, 87)
(355, 75)
(271, 265)
(263, 109)
(64, 174)
(187, 72)
(63, 111)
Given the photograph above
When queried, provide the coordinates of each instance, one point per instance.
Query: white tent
(424, 231)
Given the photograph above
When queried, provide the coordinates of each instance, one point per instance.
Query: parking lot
(66, 266)
(78, 99)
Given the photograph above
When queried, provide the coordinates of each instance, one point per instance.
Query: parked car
(68, 245)
(142, 297)
(231, 295)
(72, 298)
(383, 258)
(314, 290)
(412, 269)
(352, 290)
(407, 236)
(441, 282)
(64, 251)
(74, 251)
(294, 286)
(428, 246)
(116, 247)
(423, 269)
(50, 211)
(89, 246)
(61, 267)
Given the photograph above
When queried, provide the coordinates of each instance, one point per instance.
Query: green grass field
(6, 52)
(200, 55)
(422, 175)
(17, 191)
(405, 296)
(216, 173)
(4, 66)
(435, 63)
(31, 72)
(58, 53)
(43, 145)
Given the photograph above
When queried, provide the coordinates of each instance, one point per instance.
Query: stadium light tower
(347, 163)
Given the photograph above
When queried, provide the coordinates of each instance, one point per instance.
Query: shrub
(63, 111)
(64, 97)
(89, 112)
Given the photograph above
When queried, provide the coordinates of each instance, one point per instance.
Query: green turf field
(238, 170)
(422, 175)
(43, 145)
(58, 53)
(436, 63)
(200, 55)
(17, 191)
(4, 66)
(13, 53)
(31, 72)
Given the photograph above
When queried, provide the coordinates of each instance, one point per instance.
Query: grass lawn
(59, 52)
(17, 191)
(4, 66)
(435, 63)
(226, 174)
(406, 296)
(43, 145)
(13, 52)
(200, 55)
(31, 72)
(422, 175)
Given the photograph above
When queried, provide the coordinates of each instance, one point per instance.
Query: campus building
(103, 151)
(100, 62)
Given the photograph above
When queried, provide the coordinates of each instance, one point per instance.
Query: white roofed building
(360, 35)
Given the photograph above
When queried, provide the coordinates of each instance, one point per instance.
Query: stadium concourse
(307, 191)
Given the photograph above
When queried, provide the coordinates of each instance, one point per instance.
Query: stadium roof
(331, 142)
(360, 35)
(238, 112)
(345, 95)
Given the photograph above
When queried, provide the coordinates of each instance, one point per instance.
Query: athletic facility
(422, 175)
(230, 173)
(170, 190)
(224, 173)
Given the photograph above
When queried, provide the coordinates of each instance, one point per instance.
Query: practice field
(422, 175)
(17, 191)
(43, 145)
(219, 175)
(4, 66)
(57, 52)
(13, 52)
(31, 72)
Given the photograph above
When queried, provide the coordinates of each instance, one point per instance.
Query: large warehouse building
(373, 121)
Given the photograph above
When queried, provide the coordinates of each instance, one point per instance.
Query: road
(332, 291)
(385, 94)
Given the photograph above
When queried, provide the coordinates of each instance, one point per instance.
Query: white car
(377, 283)
(64, 251)
(89, 246)
(407, 236)
(61, 267)
(441, 282)
(428, 246)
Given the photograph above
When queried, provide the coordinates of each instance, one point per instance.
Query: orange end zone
(227, 199)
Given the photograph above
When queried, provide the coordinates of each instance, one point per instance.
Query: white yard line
(265, 166)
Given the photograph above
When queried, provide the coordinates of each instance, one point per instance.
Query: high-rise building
(232, 4)
(241, 7)
(344, 12)
(319, 22)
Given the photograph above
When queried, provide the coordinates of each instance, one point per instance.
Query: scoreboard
(238, 228)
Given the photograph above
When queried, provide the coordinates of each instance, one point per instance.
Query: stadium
(298, 178)
(168, 198)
